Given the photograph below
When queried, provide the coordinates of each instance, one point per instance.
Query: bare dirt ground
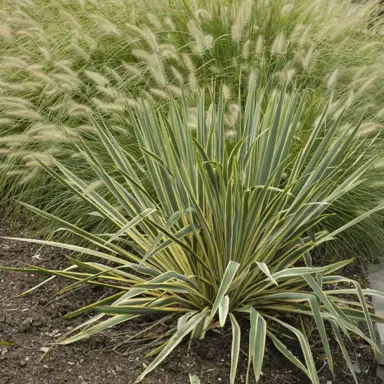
(34, 322)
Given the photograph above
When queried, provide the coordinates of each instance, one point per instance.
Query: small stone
(26, 325)
(356, 368)
(3, 352)
(43, 301)
(23, 363)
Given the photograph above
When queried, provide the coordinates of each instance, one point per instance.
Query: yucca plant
(229, 234)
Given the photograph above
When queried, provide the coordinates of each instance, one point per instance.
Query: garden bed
(33, 322)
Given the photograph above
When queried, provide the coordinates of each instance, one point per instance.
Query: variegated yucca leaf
(227, 235)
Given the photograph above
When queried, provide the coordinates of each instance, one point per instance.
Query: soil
(35, 321)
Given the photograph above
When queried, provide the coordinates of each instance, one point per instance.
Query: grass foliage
(228, 232)
(65, 64)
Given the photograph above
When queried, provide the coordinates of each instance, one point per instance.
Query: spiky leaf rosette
(229, 234)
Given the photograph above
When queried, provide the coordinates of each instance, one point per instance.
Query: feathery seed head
(169, 49)
(96, 184)
(192, 119)
(97, 78)
(45, 53)
(288, 8)
(214, 69)
(5, 32)
(259, 45)
(305, 35)
(175, 91)
(230, 134)
(64, 65)
(26, 33)
(85, 128)
(147, 99)
(378, 184)
(202, 42)
(29, 176)
(192, 81)
(332, 78)
(105, 25)
(289, 75)
(252, 78)
(234, 109)
(113, 74)
(379, 164)
(35, 67)
(178, 76)
(109, 92)
(246, 49)
(141, 54)
(80, 51)
(159, 93)
(24, 87)
(226, 92)
(130, 102)
(79, 110)
(153, 19)
(54, 136)
(133, 69)
(67, 16)
(41, 76)
(367, 84)
(16, 100)
(24, 114)
(241, 20)
(158, 75)
(380, 114)
(134, 28)
(33, 159)
(13, 139)
(232, 115)
(278, 45)
(308, 60)
(9, 62)
(168, 21)
(5, 121)
(202, 14)
(150, 38)
(369, 129)
(39, 128)
(66, 81)
(17, 172)
(188, 62)
(107, 107)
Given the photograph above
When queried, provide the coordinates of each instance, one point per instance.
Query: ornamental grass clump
(67, 62)
(227, 234)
